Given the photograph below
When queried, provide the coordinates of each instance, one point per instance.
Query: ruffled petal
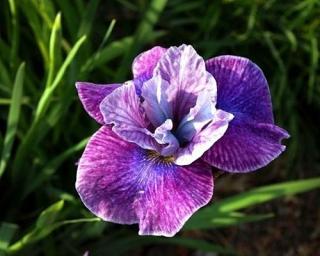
(199, 116)
(120, 182)
(242, 88)
(145, 62)
(91, 96)
(204, 139)
(246, 146)
(122, 108)
(163, 135)
(186, 73)
(156, 104)
(252, 140)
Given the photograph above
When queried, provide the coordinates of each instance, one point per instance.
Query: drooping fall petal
(123, 183)
(252, 140)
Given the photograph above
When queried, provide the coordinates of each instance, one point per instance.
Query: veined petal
(246, 146)
(122, 109)
(145, 62)
(242, 88)
(104, 178)
(186, 73)
(156, 104)
(204, 139)
(120, 182)
(199, 116)
(164, 136)
(252, 140)
(91, 96)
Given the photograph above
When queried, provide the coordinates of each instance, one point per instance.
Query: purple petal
(251, 141)
(204, 139)
(122, 109)
(246, 146)
(145, 62)
(105, 180)
(199, 116)
(242, 88)
(91, 96)
(164, 136)
(120, 182)
(186, 73)
(156, 105)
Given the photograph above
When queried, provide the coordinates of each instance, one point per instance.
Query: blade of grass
(47, 94)
(44, 226)
(43, 104)
(259, 196)
(53, 48)
(15, 32)
(209, 221)
(7, 231)
(13, 118)
(314, 59)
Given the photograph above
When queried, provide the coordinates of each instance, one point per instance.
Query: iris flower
(151, 161)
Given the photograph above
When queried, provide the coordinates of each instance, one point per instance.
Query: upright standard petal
(145, 62)
(120, 182)
(252, 140)
(186, 73)
(91, 96)
(155, 100)
(122, 108)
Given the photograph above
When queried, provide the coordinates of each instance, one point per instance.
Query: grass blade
(45, 98)
(7, 231)
(53, 48)
(259, 196)
(13, 117)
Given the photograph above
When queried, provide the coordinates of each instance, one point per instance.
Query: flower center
(154, 155)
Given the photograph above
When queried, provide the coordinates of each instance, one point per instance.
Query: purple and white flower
(151, 161)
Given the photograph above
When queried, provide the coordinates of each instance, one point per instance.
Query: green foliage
(46, 46)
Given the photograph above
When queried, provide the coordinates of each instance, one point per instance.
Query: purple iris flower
(151, 161)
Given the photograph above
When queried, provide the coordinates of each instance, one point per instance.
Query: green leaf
(54, 47)
(13, 117)
(44, 226)
(49, 215)
(251, 198)
(7, 231)
(47, 94)
(209, 220)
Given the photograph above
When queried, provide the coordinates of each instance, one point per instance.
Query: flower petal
(242, 88)
(186, 73)
(252, 140)
(120, 182)
(122, 108)
(199, 116)
(246, 146)
(164, 136)
(155, 104)
(145, 62)
(91, 96)
(204, 139)
(105, 180)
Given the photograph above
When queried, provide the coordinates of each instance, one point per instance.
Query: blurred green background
(45, 46)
